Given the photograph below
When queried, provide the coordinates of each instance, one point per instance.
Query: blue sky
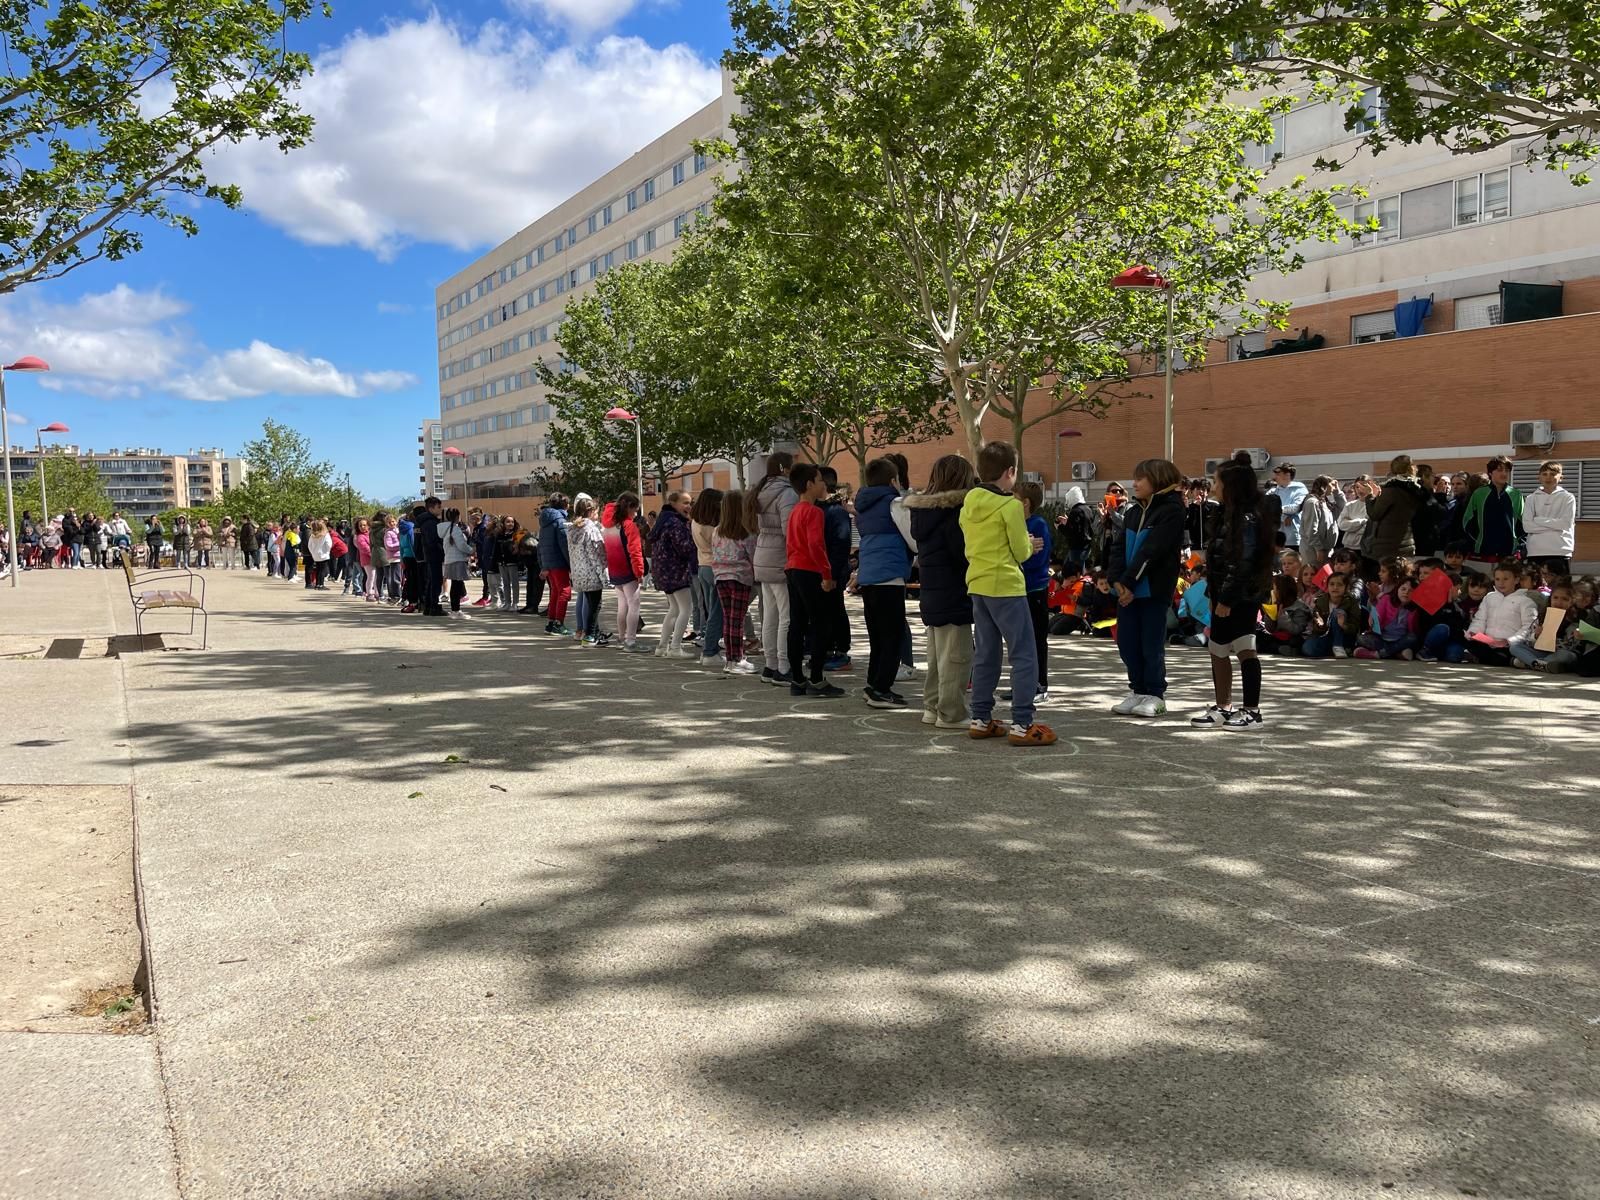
(441, 131)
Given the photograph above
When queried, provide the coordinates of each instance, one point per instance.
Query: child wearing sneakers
(997, 544)
(1144, 570)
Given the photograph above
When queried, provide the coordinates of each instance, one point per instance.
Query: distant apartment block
(430, 458)
(142, 481)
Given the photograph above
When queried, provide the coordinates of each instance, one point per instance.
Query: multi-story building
(143, 481)
(501, 314)
(430, 458)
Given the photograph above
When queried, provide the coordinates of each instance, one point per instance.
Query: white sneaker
(1212, 718)
(1150, 706)
(1126, 705)
(1042, 697)
(453, 614)
(743, 667)
(683, 652)
(904, 673)
(711, 661)
(1341, 652)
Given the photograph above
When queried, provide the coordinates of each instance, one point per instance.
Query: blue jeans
(710, 608)
(75, 558)
(1142, 642)
(1003, 625)
(1441, 643)
(1525, 653)
(1320, 645)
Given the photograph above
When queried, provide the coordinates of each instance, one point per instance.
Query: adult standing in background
(1549, 517)
(1388, 532)
(1427, 524)
(1292, 496)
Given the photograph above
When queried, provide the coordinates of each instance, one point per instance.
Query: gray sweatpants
(1003, 625)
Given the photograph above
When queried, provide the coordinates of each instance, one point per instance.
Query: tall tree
(109, 107)
(284, 478)
(1471, 74)
(69, 483)
(969, 163)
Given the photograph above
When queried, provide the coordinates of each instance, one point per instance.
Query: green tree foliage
(109, 107)
(69, 483)
(1471, 74)
(283, 479)
(968, 175)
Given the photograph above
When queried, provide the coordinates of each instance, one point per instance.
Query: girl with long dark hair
(1239, 567)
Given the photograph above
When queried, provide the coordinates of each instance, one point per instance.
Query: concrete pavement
(660, 933)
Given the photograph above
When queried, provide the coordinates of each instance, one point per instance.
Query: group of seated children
(1524, 616)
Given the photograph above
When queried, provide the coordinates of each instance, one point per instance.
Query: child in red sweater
(809, 577)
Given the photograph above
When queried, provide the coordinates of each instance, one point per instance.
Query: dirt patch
(69, 937)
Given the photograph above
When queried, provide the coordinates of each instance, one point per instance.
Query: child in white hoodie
(1504, 614)
(1549, 518)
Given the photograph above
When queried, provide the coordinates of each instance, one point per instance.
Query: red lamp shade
(1070, 433)
(27, 362)
(1140, 277)
(620, 414)
(452, 452)
(55, 427)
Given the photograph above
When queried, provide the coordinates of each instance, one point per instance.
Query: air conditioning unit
(1213, 465)
(1033, 477)
(1083, 472)
(1259, 458)
(1532, 433)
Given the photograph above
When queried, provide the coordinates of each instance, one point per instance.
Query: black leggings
(1039, 610)
(458, 589)
(885, 605)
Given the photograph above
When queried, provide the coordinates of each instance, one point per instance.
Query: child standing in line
(703, 520)
(586, 551)
(673, 564)
(1144, 570)
(997, 544)
(625, 564)
(945, 606)
(360, 579)
(1036, 578)
(733, 552)
(319, 548)
(810, 577)
(883, 566)
(394, 559)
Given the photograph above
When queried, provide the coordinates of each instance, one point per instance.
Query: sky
(441, 131)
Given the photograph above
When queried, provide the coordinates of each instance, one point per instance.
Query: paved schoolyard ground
(452, 909)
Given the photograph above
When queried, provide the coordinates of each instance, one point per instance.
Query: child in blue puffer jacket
(882, 566)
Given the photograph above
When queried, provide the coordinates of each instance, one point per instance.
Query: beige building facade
(499, 316)
(142, 481)
(430, 459)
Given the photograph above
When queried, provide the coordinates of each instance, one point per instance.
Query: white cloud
(128, 343)
(262, 369)
(390, 308)
(427, 132)
(579, 15)
(16, 418)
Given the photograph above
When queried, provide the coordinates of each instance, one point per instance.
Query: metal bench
(147, 599)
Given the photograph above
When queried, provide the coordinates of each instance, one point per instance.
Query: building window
(605, 215)
(649, 190)
(679, 223)
(633, 199)
(1372, 327)
(594, 222)
(572, 278)
(677, 174)
(594, 268)
(649, 240)
(700, 165)
(1387, 212)
(1478, 312)
(1371, 110)
(1244, 344)
(1260, 154)
(633, 249)
(1485, 197)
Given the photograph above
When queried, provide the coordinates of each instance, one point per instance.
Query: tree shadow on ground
(1358, 954)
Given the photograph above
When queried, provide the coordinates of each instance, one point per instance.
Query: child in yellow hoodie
(997, 543)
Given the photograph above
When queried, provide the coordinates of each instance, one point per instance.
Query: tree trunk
(1017, 430)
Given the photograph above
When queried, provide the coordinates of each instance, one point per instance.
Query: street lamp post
(1148, 279)
(53, 427)
(26, 363)
(1060, 437)
(466, 484)
(622, 414)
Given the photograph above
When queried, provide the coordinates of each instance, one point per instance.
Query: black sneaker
(1243, 718)
(877, 699)
(898, 700)
(798, 689)
(825, 690)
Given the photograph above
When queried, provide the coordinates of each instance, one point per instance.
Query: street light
(53, 427)
(1065, 433)
(26, 363)
(622, 414)
(1148, 279)
(466, 484)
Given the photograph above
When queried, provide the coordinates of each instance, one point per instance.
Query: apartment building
(430, 458)
(502, 314)
(1463, 327)
(142, 481)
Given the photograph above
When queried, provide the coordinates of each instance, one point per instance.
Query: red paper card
(1321, 577)
(1433, 593)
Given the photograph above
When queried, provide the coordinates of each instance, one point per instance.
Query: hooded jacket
(941, 557)
(1389, 514)
(586, 551)
(425, 538)
(884, 555)
(997, 542)
(624, 547)
(1162, 521)
(1243, 576)
(553, 540)
(1548, 520)
(775, 500)
(674, 561)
